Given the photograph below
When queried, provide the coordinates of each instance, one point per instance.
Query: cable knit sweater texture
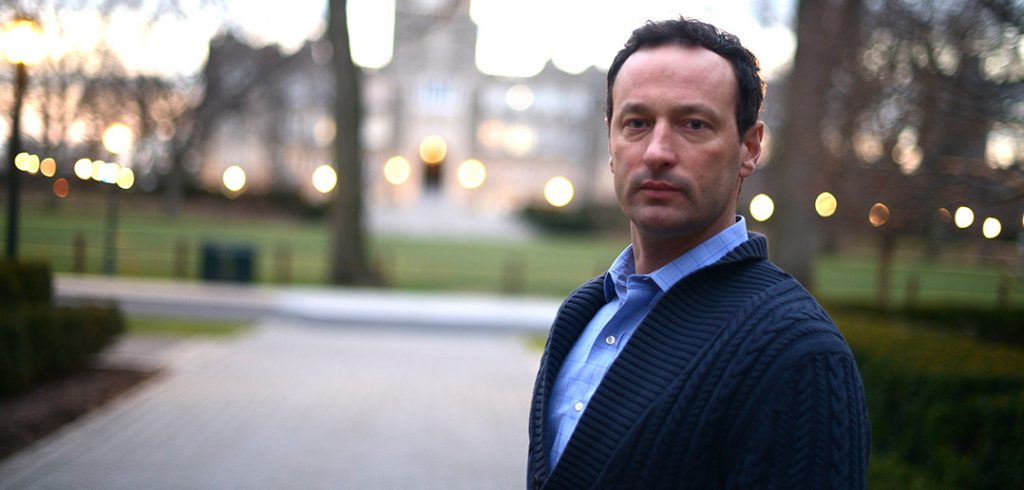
(736, 379)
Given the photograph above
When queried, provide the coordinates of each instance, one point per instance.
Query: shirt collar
(707, 253)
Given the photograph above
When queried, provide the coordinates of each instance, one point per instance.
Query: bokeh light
(963, 217)
(109, 172)
(21, 161)
(61, 188)
(48, 167)
(397, 170)
(125, 178)
(944, 215)
(118, 138)
(325, 179)
(879, 214)
(97, 170)
(23, 42)
(471, 174)
(762, 207)
(519, 97)
(558, 191)
(433, 149)
(83, 168)
(32, 164)
(991, 228)
(234, 178)
(825, 204)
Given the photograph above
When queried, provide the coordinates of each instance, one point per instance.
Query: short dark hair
(691, 32)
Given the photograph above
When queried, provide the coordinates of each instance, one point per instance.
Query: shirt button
(578, 407)
(610, 340)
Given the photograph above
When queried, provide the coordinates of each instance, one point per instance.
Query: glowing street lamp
(826, 204)
(433, 150)
(397, 170)
(878, 215)
(22, 45)
(471, 174)
(83, 168)
(963, 217)
(48, 167)
(991, 228)
(558, 191)
(234, 179)
(325, 179)
(118, 140)
(762, 207)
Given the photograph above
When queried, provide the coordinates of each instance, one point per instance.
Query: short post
(513, 276)
(78, 253)
(283, 263)
(1003, 293)
(110, 240)
(180, 259)
(912, 293)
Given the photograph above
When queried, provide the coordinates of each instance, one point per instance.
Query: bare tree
(893, 102)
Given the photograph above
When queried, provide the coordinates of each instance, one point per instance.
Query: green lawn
(182, 327)
(294, 250)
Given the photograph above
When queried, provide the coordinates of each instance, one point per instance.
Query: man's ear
(607, 124)
(751, 151)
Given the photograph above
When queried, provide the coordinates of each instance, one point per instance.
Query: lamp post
(117, 139)
(21, 47)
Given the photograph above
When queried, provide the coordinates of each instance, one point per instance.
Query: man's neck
(651, 253)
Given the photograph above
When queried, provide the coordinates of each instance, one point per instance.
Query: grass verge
(172, 326)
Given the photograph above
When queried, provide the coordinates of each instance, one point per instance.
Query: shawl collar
(655, 356)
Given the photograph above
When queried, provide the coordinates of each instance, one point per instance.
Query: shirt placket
(640, 290)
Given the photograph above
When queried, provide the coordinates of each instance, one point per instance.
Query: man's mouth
(654, 185)
(658, 189)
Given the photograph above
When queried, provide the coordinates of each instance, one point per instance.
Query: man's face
(675, 152)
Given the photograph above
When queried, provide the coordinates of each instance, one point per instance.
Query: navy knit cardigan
(736, 379)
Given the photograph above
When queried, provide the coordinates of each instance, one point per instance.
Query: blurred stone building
(523, 131)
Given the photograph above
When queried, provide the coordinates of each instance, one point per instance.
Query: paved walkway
(305, 404)
(316, 304)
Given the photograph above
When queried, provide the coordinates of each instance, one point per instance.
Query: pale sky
(516, 38)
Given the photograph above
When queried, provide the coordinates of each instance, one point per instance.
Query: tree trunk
(886, 252)
(348, 259)
(825, 30)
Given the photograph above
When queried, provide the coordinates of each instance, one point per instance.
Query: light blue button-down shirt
(630, 298)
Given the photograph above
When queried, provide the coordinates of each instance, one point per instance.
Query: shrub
(1004, 325)
(943, 404)
(16, 370)
(39, 343)
(583, 219)
(25, 282)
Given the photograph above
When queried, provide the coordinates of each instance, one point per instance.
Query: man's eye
(695, 125)
(635, 123)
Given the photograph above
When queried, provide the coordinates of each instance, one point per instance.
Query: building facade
(521, 131)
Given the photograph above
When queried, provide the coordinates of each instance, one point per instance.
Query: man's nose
(660, 150)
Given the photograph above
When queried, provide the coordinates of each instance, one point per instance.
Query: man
(694, 362)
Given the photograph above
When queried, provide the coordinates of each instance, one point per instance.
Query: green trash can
(227, 262)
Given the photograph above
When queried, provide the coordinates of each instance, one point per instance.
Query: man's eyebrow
(682, 109)
(696, 108)
(628, 107)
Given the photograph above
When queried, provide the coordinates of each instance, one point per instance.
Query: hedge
(945, 408)
(39, 344)
(25, 283)
(40, 341)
